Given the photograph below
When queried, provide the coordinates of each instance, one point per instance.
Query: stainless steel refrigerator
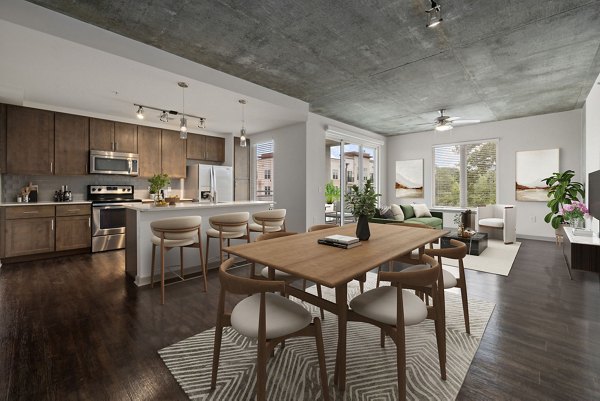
(204, 182)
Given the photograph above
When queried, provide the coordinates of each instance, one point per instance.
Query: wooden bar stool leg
(162, 271)
(203, 265)
(207, 243)
(181, 261)
(152, 269)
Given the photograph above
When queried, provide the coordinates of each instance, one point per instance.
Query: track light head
(164, 116)
(434, 15)
(140, 113)
(202, 123)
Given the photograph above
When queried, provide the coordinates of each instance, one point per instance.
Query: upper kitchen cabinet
(71, 144)
(196, 147)
(215, 149)
(173, 152)
(206, 148)
(149, 151)
(29, 140)
(113, 136)
(2, 138)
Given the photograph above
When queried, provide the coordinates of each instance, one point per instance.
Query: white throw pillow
(421, 210)
(397, 210)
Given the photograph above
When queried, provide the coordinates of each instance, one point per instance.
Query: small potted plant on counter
(158, 182)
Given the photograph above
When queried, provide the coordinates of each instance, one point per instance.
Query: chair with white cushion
(393, 307)
(498, 221)
(268, 221)
(267, 317)
(175, 232)
(227, 226)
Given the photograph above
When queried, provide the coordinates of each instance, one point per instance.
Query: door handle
(89, 221)
(52, 224)
(31, 212)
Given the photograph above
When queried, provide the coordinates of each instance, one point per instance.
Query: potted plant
(158, 182)
(363, 204)
(562, 192)
(332, 193)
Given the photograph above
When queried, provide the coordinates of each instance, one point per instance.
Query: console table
(581, 253)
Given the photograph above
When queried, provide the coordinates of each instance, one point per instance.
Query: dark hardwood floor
(75, 328)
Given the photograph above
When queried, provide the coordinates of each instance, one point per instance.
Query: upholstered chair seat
(380, 304)
(283, 316)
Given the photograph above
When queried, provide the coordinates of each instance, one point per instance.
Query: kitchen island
(138, 248)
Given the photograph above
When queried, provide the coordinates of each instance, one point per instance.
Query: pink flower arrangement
(574, 210)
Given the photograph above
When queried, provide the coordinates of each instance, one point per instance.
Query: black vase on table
(362, 228)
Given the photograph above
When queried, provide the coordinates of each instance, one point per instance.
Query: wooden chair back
(458, 250)
(243, 285)
(418, 278)
(278, 234)
(177, 228)
(318, 227)
(230, 222)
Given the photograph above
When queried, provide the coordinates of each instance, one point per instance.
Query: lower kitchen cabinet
(29, 236)
(73, 227)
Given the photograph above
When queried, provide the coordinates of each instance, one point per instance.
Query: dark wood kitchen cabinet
(28, 230)
(113, 136)
(29, 140)
(149, 151)
(173, 152)
(2, 138)
(215, 149)
(73, 227)
(196, 147)
(71, 144)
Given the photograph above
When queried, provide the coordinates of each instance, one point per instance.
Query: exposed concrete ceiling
(374, 64)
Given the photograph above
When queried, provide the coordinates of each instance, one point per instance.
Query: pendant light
(243, 130)
(183, 121)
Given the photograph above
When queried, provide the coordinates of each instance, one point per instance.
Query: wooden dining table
(301, 256)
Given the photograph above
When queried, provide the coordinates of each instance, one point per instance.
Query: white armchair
(498, 221)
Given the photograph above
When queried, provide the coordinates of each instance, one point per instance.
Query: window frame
(463, 195)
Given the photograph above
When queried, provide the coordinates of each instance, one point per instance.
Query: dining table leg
(341, 300)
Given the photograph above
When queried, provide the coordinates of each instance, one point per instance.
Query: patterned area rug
(371, 370)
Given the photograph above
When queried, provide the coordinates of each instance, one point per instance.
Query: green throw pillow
(408, 211)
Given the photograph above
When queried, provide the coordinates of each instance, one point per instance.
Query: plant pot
(576, 222)
(362, 228)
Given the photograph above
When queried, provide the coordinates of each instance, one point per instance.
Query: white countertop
(144, 207)
(581, 239)
(44, 203)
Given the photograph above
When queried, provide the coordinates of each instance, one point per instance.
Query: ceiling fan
(446, 123)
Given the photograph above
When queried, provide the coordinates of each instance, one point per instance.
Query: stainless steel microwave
(103, 162)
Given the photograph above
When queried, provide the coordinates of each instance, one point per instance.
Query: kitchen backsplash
(48, 184)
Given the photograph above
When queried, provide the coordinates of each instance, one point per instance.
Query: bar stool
(176, 232)
(227, 226)
(268, 221)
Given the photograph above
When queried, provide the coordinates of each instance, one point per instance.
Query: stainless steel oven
(108, 215)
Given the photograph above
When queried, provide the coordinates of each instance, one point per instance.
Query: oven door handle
(109, 207)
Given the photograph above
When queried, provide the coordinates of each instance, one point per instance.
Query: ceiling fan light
(443, 127)
(434, 15)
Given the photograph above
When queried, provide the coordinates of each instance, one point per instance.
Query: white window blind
(465, 174)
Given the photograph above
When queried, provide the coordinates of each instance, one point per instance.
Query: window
(335, 174)
(464, 175)
(264, 171)
(350, 177)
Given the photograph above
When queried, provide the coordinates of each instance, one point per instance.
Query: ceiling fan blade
(452, 119)
(467, 121)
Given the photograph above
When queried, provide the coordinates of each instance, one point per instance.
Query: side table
(476, 243)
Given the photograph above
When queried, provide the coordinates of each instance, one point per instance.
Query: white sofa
(498, 221)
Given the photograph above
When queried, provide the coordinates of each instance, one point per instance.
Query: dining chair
(393, 307)
(175, 232)
(281, 275)
(457, 252)
(266, 317)
(268, 221)
(227, 226)
(409, 257)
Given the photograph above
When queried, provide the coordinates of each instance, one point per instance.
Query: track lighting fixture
(167, 115)
(434, 15)
(243, 130)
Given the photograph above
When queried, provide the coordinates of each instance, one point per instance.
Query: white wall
(316, 170)
(592, 134)
(289, 171)
(558, 130)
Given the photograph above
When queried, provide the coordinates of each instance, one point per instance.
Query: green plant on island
(563, 191)
(158, 182)
(362, 201)
(332, 193)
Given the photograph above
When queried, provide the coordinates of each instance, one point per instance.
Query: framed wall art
(532, 167)
(409, 179)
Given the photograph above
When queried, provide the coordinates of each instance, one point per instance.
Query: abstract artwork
(409, 179)
(532, 167)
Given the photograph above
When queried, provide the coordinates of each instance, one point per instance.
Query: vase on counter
(576, 222)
